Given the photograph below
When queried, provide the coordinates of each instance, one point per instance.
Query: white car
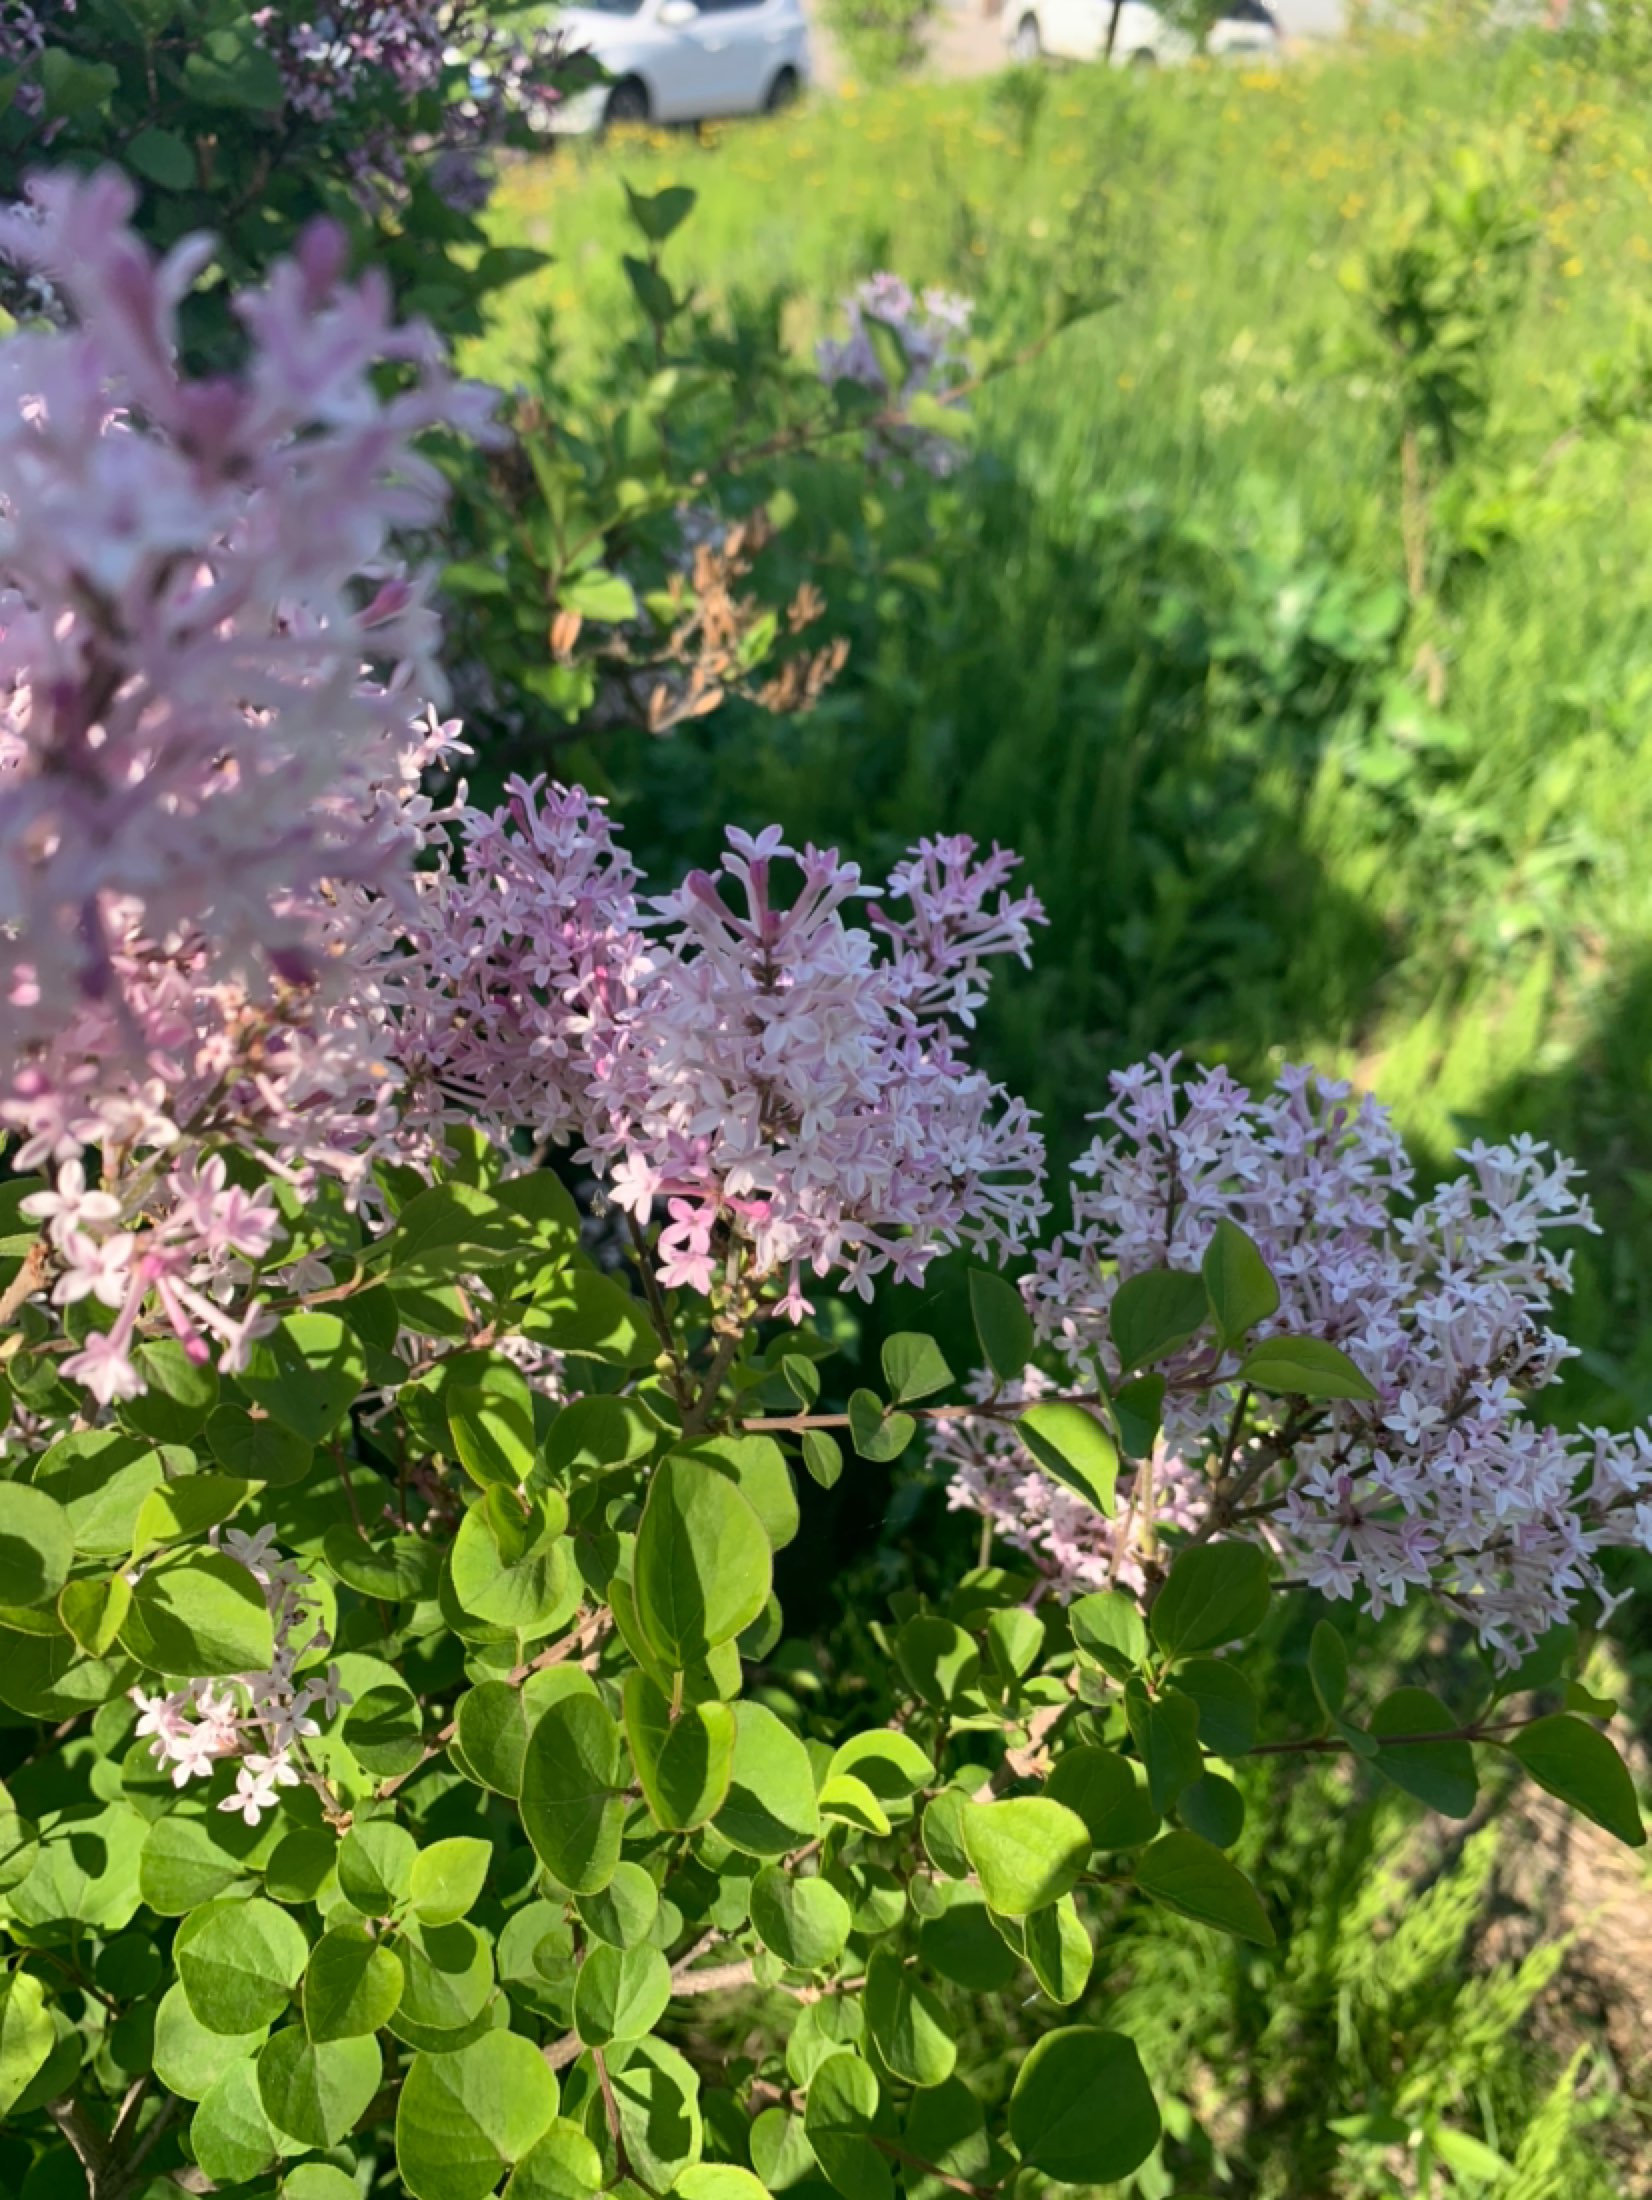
(1076, 30)
(684, 60)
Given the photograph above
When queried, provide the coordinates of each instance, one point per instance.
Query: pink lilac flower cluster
(209, 808)
(1073, 1547)
(1443, 1482)
(261, 1719)
(929, 327)
(790, 1087)
(193, 575)
(338, 61)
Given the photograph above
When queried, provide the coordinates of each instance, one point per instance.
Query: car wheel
(1027, 45)
(784, 92)
(627, 102)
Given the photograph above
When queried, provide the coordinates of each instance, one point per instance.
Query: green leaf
(1303, 1367)
(239, 1962)
(189, 1861)
(490, 1417)
(1002, 1324)
(1578, 1764)
(511, 1568)
(685, 1764)
(1138, 1409)
(182, 1511)
(37, 1545)
(943, 1833)
(572, 1807)
(823, 1456)
(913, 1366)
(1241, 1287)
(1192, 1876)
(1107, 1626)
(1058, 1949)
(94, 1612)
(594, 594)
(1165, 1730)
(447, 1981)
(562, 2165)
(375, 1866)
(1214, 1809)
(101, 1478)
(939, 1660)
(318, 2181)
(704, 1568)
(1101, 1787)
(1216, 1593)
(1015, 1641)
(181, 1394)
(844, 1797)
(662, 213)
(1082, 2110)
(1226, 1703)
(657, 2096)
(805, 1922)
(1440, 1774)
(620, 1994)
(1072, 1445)
(589, 1313)
(838, 2121)
(891, 1764)
(945, 2127)
(19, 1844)
(876, 1434)
(448, 1877)
(771, 1806)
(200, 1615)
(465, 2118)
(449, 1230)
(908, 2025)
(623, 1914)
(965, 1945)
(255, 1448)
(719, 2181)
(317, 2090)
(1328, 1668)
(1154, 1314)
(229, 68)
(27, 2035)
(190, 2059)
(403, 1570)
(306, 1374)
(230, 2133)
(352, 1985)
(1026, 1852)
(73, 86)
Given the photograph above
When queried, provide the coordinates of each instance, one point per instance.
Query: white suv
(684, 60)
(1076, 30)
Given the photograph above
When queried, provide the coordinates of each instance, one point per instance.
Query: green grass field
(1157, 635)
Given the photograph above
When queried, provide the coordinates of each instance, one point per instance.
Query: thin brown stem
(1331, 1745)
(898, 2153)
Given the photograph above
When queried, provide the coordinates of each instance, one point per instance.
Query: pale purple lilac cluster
(788, 1087)
(1443, 1482)
(193, 574)
(930, 327)
(260, 1719)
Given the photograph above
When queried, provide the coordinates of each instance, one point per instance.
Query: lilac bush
(387, 1589)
